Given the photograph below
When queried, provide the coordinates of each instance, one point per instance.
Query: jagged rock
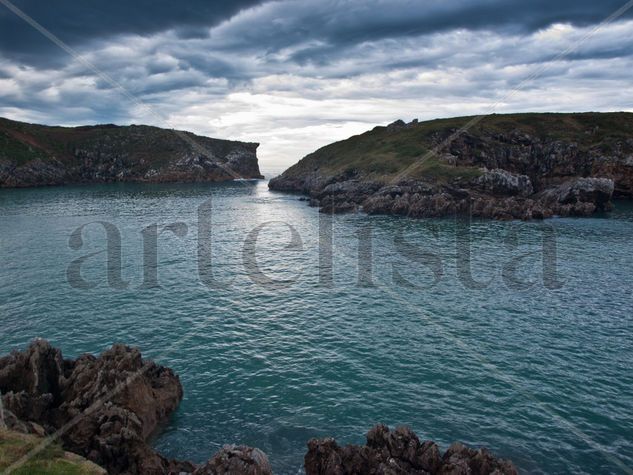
(343, 196)
(304, 184)
(35, 371)
(110, 404)
(236, 460)
(580, 197)
(30, 407)
(121, 399)
(11, 422)
(596, 190)
(502, 182)
(327, 205)
(398, 124)
(399, 452)
(30, 382)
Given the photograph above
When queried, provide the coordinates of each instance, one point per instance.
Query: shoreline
(111, 425)
(508, 166)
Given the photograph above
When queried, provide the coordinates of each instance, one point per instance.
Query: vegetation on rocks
(33, 155)
(52, 460)
(499, 166)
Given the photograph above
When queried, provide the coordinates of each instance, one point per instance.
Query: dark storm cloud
(78, 22)
(335, 24)
(416, 18)
(338, 24)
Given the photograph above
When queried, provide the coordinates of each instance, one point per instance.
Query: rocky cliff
(37, 155)
(105, 409)
(517, 166)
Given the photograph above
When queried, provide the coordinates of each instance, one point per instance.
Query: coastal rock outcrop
(400, 452)
(502, 182)
(38, 155)
(519, 166)
(104, 407)
(236, 459)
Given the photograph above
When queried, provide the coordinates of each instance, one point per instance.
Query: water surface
(275, 343)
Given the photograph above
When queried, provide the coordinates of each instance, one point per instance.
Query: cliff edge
(39, 155)
(515, 166)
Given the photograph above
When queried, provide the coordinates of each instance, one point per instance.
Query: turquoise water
(535, 362)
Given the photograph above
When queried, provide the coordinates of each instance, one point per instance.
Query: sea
(285, 324)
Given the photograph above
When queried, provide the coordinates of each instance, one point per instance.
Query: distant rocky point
(515, 166)
(38, 155)
(105, 408)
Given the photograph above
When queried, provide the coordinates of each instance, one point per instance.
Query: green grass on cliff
(380, 153)
(12, 149)
(385, 153)
(50, 461)
(22, 142)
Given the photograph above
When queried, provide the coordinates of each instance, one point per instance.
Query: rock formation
(236, 459)
(520, 166)
(36, 155)
(400, 452)
(105, 408)
(121, 399)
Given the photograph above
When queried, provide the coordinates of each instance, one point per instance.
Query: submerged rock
(400, 452)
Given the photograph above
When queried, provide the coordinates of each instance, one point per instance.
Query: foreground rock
(520, 166)
(399, 452)
(118, 400)
(37, 155)
(105, 408)
(237, 459)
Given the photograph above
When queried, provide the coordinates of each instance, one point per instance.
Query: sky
(295, 75)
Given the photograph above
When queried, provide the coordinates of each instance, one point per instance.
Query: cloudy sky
(297, 74)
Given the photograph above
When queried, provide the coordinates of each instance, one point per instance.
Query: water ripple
(541, 375)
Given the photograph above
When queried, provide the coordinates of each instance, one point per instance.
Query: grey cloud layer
(296, 73)
(322, 26)
(86, 21)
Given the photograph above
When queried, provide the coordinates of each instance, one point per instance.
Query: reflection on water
(397, 321)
